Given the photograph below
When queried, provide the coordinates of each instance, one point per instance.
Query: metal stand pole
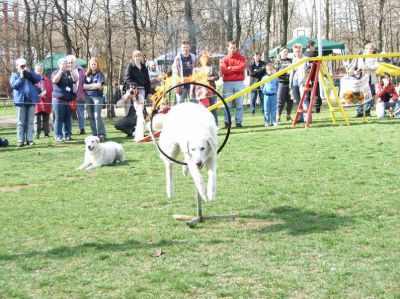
(191, 221)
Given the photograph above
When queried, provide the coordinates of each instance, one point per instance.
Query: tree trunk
(229, 23)
(16, 31)
(268, 13)
(327, 20)
(190, 25)
(361, 20)
(238, 23)
(28, 43)
(135, 24)
(63, 13)
(285, 19)
(109, 56)
(380, 24)
(6, 61)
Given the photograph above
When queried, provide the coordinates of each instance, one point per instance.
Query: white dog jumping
(98, 154)
(190, 128)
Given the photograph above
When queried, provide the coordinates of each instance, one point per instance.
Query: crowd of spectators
(71, 88)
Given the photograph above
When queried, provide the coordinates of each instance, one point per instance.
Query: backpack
(3, 142)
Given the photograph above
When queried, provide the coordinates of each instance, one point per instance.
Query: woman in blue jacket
(25, 97)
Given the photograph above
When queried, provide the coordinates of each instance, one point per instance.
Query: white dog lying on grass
(98, 154)
(190, 128)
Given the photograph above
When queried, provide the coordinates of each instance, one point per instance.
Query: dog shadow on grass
(296, 221)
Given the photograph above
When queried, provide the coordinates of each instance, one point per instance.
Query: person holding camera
(63, 94)
(93, 85)
(25, 96)
(127, 124)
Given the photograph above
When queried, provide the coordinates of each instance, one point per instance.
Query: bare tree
(268, 13)
(136, 23)
(190, 25)
(238, 23)
(63, 15)
(229, 23)
(284, 21)
(380, 26)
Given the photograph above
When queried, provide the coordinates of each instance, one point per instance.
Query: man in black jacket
(257, 71)
(283, 62)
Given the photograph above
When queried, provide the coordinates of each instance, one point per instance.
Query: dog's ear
(97, 139)
(211, 143)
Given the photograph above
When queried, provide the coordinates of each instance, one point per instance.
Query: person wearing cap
(25, 96)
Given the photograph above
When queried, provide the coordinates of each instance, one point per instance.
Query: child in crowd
(203, 95)
(270, 90)
(387, 97)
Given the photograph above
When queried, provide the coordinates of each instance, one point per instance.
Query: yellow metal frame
(291, 67)
(324, 73)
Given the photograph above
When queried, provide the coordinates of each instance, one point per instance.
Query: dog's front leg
(198, 180)
(93, 166)
(211, 166)
(84, 166)
(168, 178)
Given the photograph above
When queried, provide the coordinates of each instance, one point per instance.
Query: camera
(133, 90)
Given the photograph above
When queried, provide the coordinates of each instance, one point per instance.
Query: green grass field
(318, 218)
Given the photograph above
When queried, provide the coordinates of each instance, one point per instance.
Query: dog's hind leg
(211, 165)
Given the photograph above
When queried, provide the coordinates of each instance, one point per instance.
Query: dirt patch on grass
(260, 224)
(15, 188)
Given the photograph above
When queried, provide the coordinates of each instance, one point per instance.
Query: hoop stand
(191, 221)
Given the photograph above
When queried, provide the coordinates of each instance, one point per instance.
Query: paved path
(8, 120)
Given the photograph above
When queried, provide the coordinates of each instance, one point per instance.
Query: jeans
(25, 117)
(213, 100)
(94, 106)
(270, 109)
(62, 119)
(80, 111)
(180, 98)
(297, 98)
(368, 104)
(253, 100)
(229, 88)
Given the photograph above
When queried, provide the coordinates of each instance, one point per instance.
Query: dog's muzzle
(90, 147)
(200, 165)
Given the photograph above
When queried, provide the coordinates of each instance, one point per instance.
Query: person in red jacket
(232, 69)
(387, 97)
(43, 107)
